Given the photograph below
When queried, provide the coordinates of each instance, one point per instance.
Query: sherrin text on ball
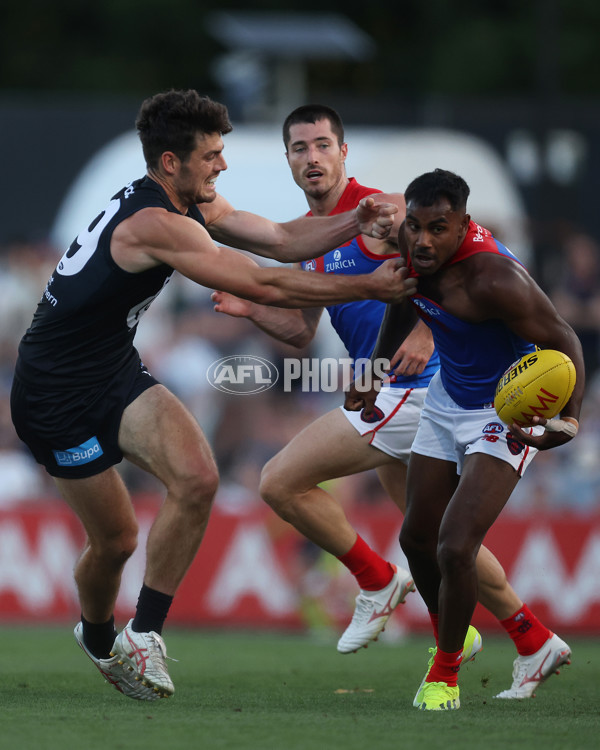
(537, 385)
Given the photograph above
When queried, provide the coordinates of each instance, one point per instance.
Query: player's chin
(207, 195)
(425, 268)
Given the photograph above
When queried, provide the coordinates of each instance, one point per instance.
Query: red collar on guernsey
(477, 240)
(351, 196)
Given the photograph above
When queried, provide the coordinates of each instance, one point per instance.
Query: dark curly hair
(170, 122)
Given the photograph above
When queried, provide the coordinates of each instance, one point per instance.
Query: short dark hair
(312, 113)
(431, 186)
(171, 120)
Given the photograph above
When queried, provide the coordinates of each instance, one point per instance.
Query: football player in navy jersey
(484, 311)
(82, 399)
(344, 442)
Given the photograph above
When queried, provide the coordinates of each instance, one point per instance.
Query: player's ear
(464, 225)
(169, 162)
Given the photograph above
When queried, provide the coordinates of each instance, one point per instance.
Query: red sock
(371, 571)
(445, 667)
(527, 632)
(434, 617)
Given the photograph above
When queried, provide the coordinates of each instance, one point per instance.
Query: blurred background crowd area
(520, 76)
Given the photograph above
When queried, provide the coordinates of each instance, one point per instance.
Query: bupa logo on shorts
(242, 374)
(493, 428)
(80, 454)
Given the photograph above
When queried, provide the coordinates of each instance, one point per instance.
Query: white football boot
(531, 671)
(116, 673)
(144, 655)
(372, 611)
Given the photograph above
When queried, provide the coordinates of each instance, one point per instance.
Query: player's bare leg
(161, 436)
(330, 448)
(103, 505)
(327, 448)
(392, 477)
(495, 592)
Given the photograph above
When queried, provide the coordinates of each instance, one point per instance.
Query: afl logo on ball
(242, 374)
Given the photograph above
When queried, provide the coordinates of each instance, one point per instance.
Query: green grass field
(277, 692)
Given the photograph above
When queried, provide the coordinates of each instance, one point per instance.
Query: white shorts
(449, 432)
(394, 431)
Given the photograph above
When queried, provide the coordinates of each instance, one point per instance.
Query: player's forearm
(309, 237)
(303, 289)
(398, 322)
(284, 324)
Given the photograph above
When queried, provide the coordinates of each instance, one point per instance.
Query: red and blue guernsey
(358, 323)
(473, 356)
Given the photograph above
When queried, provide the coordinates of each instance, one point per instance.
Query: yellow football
(538, 385)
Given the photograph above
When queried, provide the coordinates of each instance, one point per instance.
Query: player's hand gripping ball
(538, 385)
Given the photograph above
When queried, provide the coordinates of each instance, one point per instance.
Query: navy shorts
(75, 433)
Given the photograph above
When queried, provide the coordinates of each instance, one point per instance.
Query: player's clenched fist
(375, 219)
(390, 282)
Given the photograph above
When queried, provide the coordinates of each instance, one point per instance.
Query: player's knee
(415, 544)
(114, 548)
(193, 479)
(454, 555)
(408, 542)
(273, 487)
(127, 546)
(196, 488)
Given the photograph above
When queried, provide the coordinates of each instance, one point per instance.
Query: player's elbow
(301, 339)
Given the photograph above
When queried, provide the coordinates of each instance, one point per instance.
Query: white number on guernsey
(136, 312)
(86, 243)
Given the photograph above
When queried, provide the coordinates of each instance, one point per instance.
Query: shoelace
(362, 609)
(158, 643)
(519, 670)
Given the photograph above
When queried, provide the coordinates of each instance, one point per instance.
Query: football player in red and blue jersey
(344, 442)
(485, 311)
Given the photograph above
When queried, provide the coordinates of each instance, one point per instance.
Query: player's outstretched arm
(300, 239)
(296, 327)
(155, 236)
